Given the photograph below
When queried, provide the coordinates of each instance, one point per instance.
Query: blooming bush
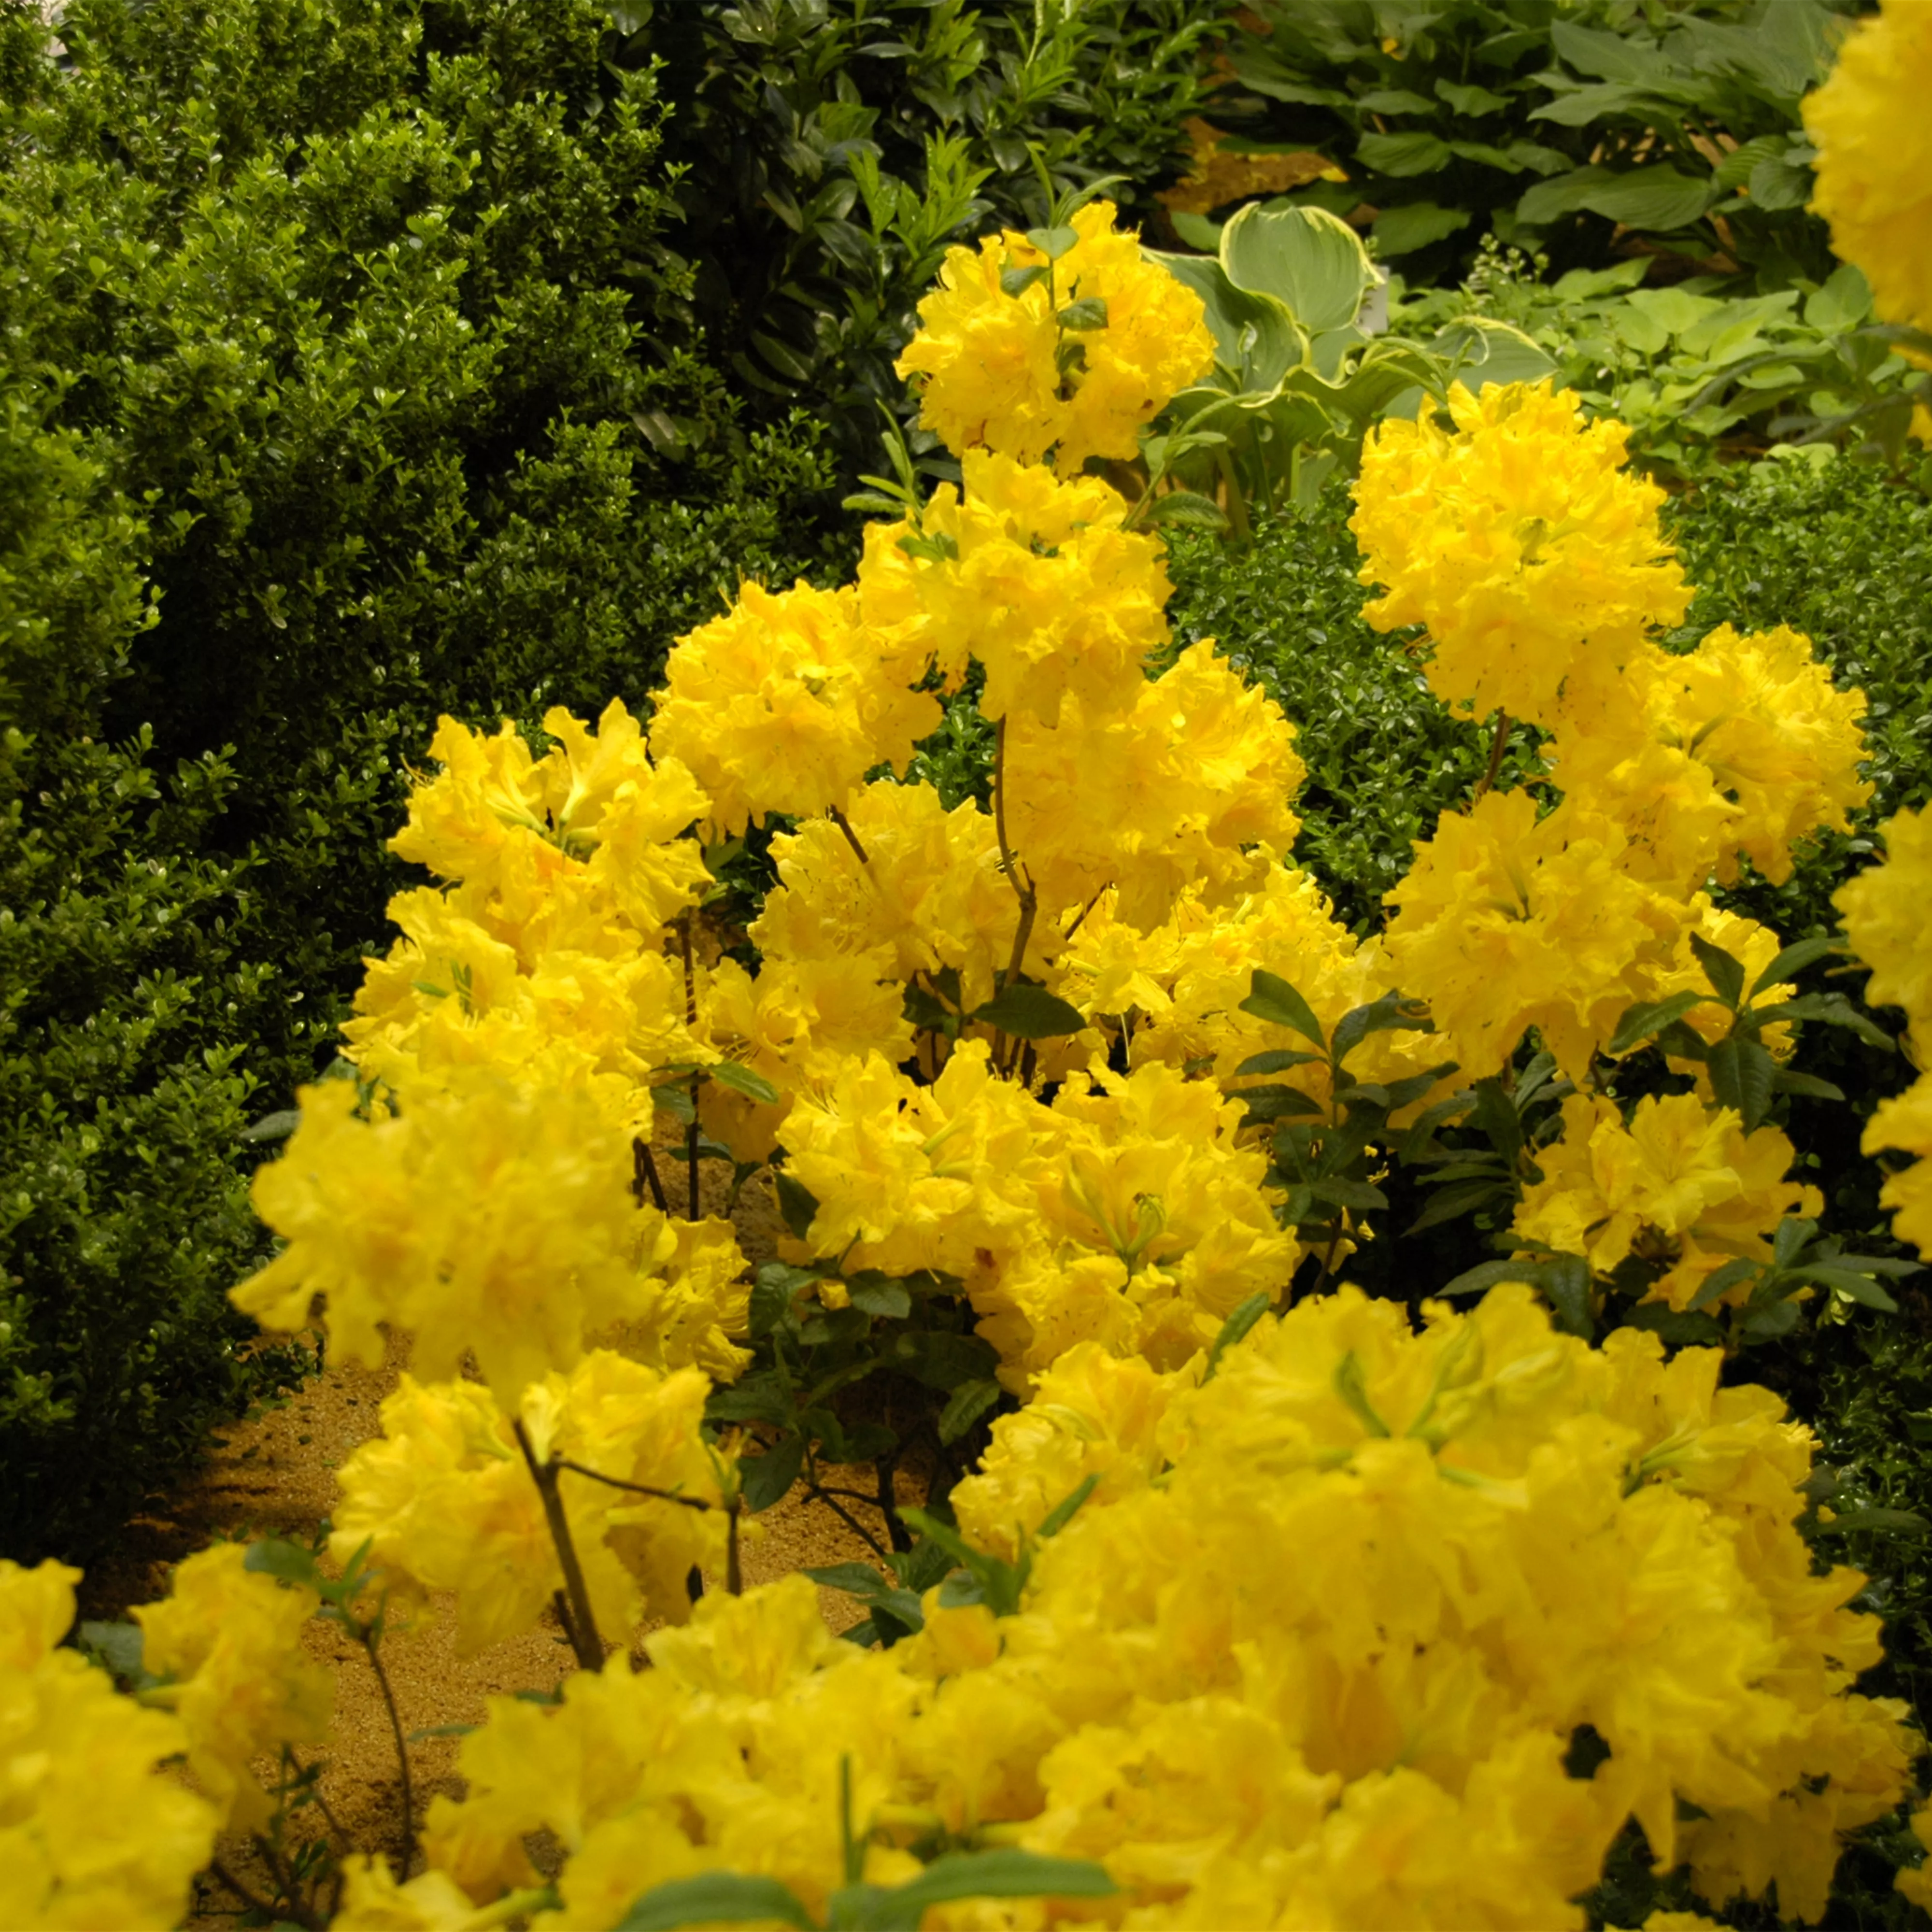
(1265, 1603)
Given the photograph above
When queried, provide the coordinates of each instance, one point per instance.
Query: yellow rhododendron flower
(1505, 923)
(1884, 909)
(598, 809)
(232, 1637)
(1519, 540)
(1904, 1122)
(1332, 1618)
(480, 1218)
(1754, 947)
(1192, 786)
(1682, 1185)
(1045, 587)
(1875, 157)
(929, 887)
(785, 703)
(445, 1500)
(1915, 1882)
(987, 362)
(92, 1833)
(1762, 713)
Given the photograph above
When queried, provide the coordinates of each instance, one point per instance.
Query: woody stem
(845, 825)
(1496, 745)
(582, 1622)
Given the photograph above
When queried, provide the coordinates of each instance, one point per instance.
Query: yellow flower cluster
(1122, 1214)
(1885, 913)
(1874, 165)
(443, 1500)
(823, 694)
(231, 1639)
(998, 364)
(1329, 1622)
(1519, 539)
(485, 1218)
(545, 955)
(91, 1833)
(1682, 1186)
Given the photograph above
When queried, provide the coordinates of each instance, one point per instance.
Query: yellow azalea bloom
(1047, 589)
(984, 361)
(1332, 1617)
(1682, 1183)
(1904, 1122)
(443, 1499)
(1875, 157)
(232, 1638)
(1519, 539)
(1505, 923)
(1884, 909)
(1779, 741)
(1192, 787)
(92, 1833)
(785, 703)
(478, 1218)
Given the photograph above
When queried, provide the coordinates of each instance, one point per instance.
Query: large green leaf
(713, 1898)
(1401, 155)
(1400, 231)
(1657, 198)
(1310, 262)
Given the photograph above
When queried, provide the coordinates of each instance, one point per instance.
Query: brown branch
(254, 1902)
(581, 1624)
(845, 825)
(639, 1489)
(408, 1841)
(644, 1174)
(734, 1574)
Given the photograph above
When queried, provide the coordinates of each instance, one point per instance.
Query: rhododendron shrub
(1266, 1606)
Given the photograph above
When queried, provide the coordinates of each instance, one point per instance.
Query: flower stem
(1496, 745)
(581, 1624)
(845, 825)
(371, 1648)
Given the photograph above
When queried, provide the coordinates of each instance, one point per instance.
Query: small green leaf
(1340, 1192)
(1830, 1009)
(765, 1478)
(1273, 1000)
(1277, 1060)
(1090, 312)
(119, 1646)
(1016, 281)
(1725, 972)
(1479, 1279)
(742, 1080)
(1741, 1074)
(1792, 961)
(713, 1898)
(1566, 1281)
(1721, 1279)
(1063, 1512)
(1648, 1017)
(1053, 242)
(275, 1557)
(1186, 508)
(1236, 1328)
(1028, 1011)
(881, 1296)
(965, 1406)
(1860, 1288)
(273, 1127)
(797, 1203)
(1006, 1872)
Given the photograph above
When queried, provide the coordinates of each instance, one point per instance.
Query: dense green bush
(1555, 126)
(325, 359)
(834, 147)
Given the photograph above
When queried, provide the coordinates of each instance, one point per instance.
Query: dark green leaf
(1017, 281)
(1454, 1202)
(1792, 961)
(1790, 1240)
(1720, 1279)
(1186, 508)
(1340, 1192)
(1566, 1281)
(1830, 1009)
(965, 1406)
(712, 1898)
(742, 1080)
(880, 1295)
(1391, 1013)
(1090, 312)
(1028, 1011)
(1485, 1275)
(1859, 1287)
(1401, 155)
(1724, 971)
(1680, 1330)
(1063, 1512)
(1274, 1000)
(797, 1203)
(1273, 1103)
(1277, 1060)
(1496, 1118)
(1741, 1073)
(765, 1478)
(1650, 1016)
